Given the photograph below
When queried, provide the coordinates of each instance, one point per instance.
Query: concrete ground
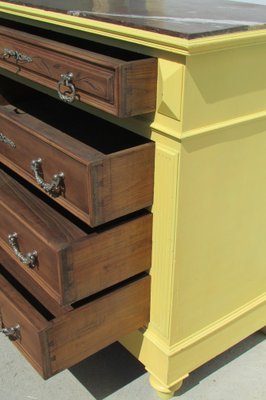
(113, 374)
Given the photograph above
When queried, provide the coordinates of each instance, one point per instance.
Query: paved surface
(113, 374)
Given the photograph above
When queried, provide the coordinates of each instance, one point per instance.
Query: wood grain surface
(73, 261)
(112, 85)
(52, 345)
(108, 171)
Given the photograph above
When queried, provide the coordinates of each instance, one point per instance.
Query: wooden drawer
(53, 344)
(72, 261)
(32, 286)
(118, 86)
(108, 171)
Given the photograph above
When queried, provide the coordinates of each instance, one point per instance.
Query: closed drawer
(107, 171)
(53, 344)
(67, 259)
(121, 87)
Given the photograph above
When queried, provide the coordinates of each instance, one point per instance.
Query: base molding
(169, 365)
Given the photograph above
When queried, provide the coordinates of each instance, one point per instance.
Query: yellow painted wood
(223, 86)
(163, 392)
(208, 269)
(210, 254)
(169, 100)
(164, 224)
(222, 197)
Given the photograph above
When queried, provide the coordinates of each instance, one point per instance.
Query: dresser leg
(263, 330)
(164, 392)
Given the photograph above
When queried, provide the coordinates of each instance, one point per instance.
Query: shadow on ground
(210, 367)
(114, 367)
(108, 371)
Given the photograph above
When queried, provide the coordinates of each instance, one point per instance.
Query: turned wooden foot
(165, 396)
(264, 330)
(164, 392)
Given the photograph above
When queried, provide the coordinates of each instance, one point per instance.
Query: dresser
(132, 182)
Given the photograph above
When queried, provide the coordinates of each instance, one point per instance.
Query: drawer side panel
(122, 183)
(140, 82)
(94, 326)
(110, 257)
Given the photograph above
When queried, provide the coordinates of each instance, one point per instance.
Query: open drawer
(53, 344)
(97, 170)
(123, 87)
(37, 291)
(66, 258)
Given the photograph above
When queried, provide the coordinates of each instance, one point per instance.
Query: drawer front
(89, 79)
(95, 186)
(113, 85)
(36, 289)
(53, 344)
(22, 145)
(72, 262)
(15, 310)
(38, 228)
(45, 270)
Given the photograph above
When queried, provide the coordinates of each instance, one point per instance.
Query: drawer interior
(88, 129)
(109, 51)
(24, 293)
(108, 170)
(37, 292)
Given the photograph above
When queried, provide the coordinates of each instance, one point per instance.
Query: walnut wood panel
(122, 88)
(54, 344)
(98, 187)
(73, 261)
(13, 310)
(37, 290)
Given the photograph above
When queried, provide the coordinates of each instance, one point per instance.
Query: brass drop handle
(19, 57)
(12, 332)
(66, 80)
(29, 259)
(56, 187)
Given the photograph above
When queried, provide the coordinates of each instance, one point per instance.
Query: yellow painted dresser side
(208, 273)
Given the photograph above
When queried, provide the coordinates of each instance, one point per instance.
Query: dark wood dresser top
(183, 18)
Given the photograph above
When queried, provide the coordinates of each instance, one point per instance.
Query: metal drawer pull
(56, 187)
(19, 57)
(29, 259)
(6, 140)
(13, 332)
(66, 80)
